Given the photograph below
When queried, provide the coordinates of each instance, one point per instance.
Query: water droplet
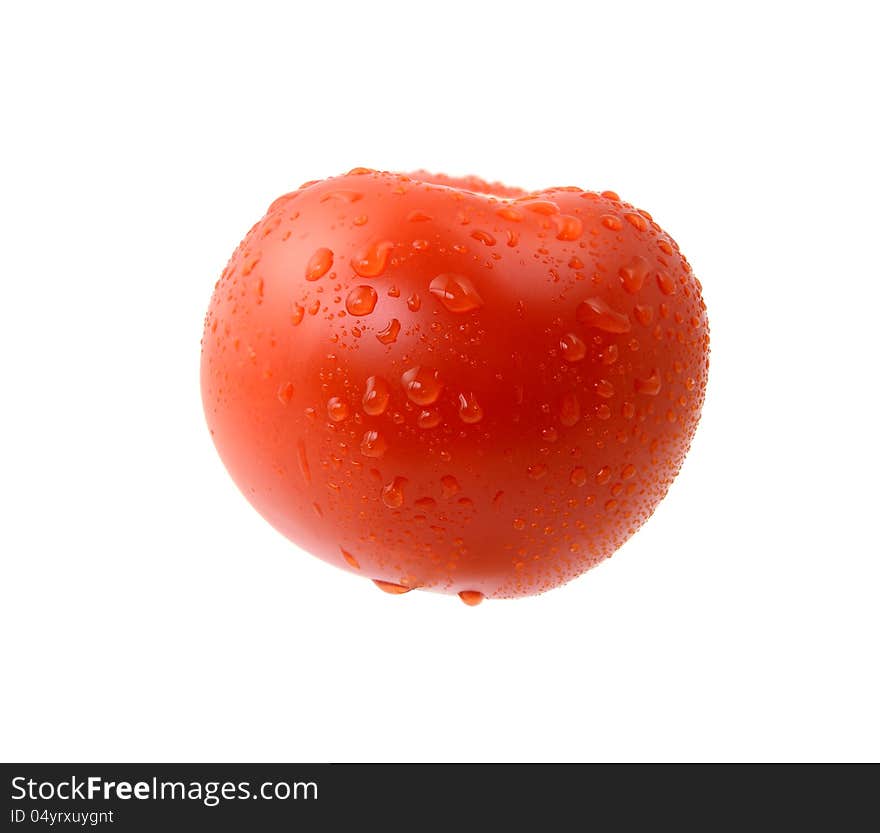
(605, 389)
(373, 260)
(471, 597)
(610, 195)
(303, 461)
(569, 410)
(296, 316)
(568, 227)
(376, 396)
(455, 292)
(392, 493)
(509, 213)
(603, 475)
(390, 587)
(595, 312)
(319, 264)
(418, 217)
(665, 246)
(650, 386)
(643, 314)
(629, 471)
(603, 412)
(389, 334)
(610, 505)
(537, 471)
(666, 284)
(483, 236)
(360, 220)
(429, 418)
(636, 221)
(469, 410)
(628, 410)
(611, 222)
(337, 409)
(361, 300)
(578, 476)
(414, 303)
(342, 196)
(633, 275)
(689, 383)
(285, 393)
(422, 385)
(610, 354)
(350, 559)
(519, 523)
(572, 348)
(373, 444)
(449, 486)
(544, 207)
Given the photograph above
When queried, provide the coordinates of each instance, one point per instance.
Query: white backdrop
(148, 613)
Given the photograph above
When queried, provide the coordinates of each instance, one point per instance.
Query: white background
(148, 613)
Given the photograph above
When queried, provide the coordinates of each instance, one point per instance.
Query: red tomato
(443, 384)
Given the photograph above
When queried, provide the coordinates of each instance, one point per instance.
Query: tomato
(443, 384)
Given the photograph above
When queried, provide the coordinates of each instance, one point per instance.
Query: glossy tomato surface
(444, 384)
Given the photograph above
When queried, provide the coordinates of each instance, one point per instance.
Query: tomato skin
(450, 390)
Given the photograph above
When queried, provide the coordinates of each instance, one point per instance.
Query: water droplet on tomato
(342, 196)
(449, 485)
(568, 227)
(471, 597)
(319, 264)
(422, 385)
(303, 461)
(569, 410)
(361, 300)
(484, 237)
(285, 393)
(596, 312)
(414, 303)
(390, 587)
(666, 284)
(337, 409)
(610, 354)
(350, 559)
(537, 471)
(603, 475)
(392, 493)
(636, 221)
(611, 222)
(578, 476)
(605, 389)
(389, 334)
(456, 293)
(633, 275)
(429, 418)
(373, 444)
(650, 386)
(572, 348)
(376, 396)
(469, 410)
(372, 261)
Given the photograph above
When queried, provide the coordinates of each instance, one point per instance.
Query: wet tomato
(443, 384)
